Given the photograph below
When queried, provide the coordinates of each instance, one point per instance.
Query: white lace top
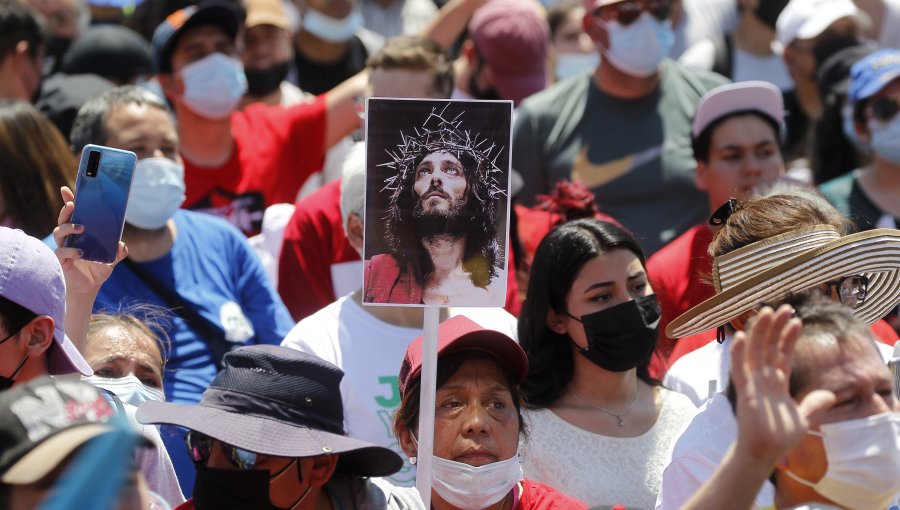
(603, 470)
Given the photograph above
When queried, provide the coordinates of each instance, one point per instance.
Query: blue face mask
(886, 139)
(849, 130)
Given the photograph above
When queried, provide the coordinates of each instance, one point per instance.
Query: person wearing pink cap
(478, 421)
(622, 130)
(33, 313)
(735, 140)
(505, 56)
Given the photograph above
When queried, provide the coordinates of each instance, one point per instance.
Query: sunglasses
(629, 11)
(851, 290)
(200, 447)
(885, 108)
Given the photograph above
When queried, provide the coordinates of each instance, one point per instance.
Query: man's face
(743, 155)
(201, 42)
(143, 129)
(800, 57)
(856, 373)
(265, 46)
(402, 83)
(286, 482)
(440, 183)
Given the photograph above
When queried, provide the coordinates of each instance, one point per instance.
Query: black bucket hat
(277, 401)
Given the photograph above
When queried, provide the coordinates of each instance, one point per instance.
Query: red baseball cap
(460, 333)
(513, 40)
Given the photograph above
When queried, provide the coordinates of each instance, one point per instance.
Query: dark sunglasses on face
(851, 290)
(200, 447)
(885, 108)
(627, 12)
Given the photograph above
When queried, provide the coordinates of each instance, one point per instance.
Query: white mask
(156, 193)
(638, 49)
(214, 85)
(129, 389)
(332, 29)
(473, 488)
(572, 64)
(863, 462)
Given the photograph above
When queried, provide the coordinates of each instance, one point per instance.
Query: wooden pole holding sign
(427, 391)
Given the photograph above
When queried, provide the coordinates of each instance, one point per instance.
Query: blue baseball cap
(873, 73)
(221, 13)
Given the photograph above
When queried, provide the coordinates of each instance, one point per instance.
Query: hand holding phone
(101, 196)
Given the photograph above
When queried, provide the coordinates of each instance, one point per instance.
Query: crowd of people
(701, 256)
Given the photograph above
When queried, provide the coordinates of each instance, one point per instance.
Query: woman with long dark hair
(600, 425)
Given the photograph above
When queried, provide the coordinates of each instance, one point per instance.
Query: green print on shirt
(407, 475)
(394, 401)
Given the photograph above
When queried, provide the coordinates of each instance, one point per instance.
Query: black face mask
(262, 82)
(623, 336)
(768, 11)
(226, 489)
(7, 382)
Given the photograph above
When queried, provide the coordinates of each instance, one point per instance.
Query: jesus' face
(440, 184)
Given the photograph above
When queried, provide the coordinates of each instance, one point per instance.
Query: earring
(413, 460)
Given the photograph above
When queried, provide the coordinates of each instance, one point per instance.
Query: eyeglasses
(627, 12)
(885, 108)
(200, 447)
(851, 290)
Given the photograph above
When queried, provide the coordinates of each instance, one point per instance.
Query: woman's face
(609, 279)
(116, 351)
(475, 420)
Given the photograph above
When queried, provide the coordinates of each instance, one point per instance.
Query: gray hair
(353, 183)
(90, 123)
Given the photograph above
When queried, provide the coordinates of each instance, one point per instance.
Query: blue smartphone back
(100, 202)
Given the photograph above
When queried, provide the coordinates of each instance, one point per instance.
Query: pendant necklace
(618, 416)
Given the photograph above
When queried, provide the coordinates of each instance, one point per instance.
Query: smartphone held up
(101, 196)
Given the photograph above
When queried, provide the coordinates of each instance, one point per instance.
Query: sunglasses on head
(200, 447)
(885, 108)
(627, 12)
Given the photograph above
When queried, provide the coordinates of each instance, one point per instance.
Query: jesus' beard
(453, 222)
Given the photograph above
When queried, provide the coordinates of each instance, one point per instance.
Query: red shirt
(537, 496)
(314, 240)
(275, 149)
(677, 273)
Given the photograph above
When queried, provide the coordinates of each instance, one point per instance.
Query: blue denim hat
(31, 277)
(873, 73)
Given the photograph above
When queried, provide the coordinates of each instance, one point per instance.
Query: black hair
(832, 154)
(702, 142)
(90, 123)
(14, 316)
(408, 412)
(557, 262)
(19, 23)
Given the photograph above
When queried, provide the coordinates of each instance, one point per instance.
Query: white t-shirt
(745, 66)
(889, 35)
(701, 373)
(602, 470)
(698, 451)
(370, 353)
(702, 19)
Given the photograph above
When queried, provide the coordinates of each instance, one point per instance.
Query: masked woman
(477, 424)
(600, 426)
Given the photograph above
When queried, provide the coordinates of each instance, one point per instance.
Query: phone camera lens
(93, 164)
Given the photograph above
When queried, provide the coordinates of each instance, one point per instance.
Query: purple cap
(513, 39)
(31, 277)
(873, 73)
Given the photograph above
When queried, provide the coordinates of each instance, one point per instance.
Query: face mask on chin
(473, 488)
(129, 389)
(863, 462)
(639, 48)
(330, 29)
(8, 382)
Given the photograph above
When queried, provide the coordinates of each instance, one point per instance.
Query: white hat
(769, 270)
(805, 19)
(759, 96)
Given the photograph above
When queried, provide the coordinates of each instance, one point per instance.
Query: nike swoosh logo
(593, 175)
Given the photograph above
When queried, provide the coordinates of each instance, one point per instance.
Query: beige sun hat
(767, 271)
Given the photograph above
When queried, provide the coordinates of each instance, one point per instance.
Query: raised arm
(83, 278)
(770, 422)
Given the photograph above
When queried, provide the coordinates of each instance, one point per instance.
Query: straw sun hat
(767, 271)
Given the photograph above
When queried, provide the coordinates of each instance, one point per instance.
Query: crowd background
(677, 167)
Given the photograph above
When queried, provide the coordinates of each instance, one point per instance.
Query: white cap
(759, 96)
(805, 19)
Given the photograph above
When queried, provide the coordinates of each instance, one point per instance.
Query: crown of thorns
(440, 134)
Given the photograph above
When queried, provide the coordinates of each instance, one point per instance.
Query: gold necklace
(618, 416)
